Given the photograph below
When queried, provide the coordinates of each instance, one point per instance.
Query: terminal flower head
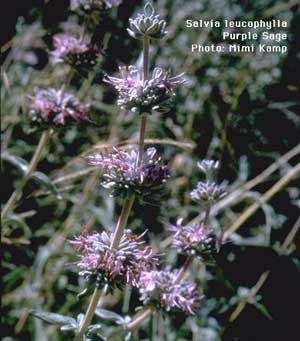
(57, 107)
(194, 239)
(207, 193)
(147, 24)
(159, 288)
(94, 5)
(141, 95)
(99, 263)
(124, 176)
(209, 168)
(73, 51)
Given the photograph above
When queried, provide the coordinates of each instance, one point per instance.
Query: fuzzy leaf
(263, 310)
(17, 161)
(53, 318)
(68, 327)
(93, 332)
(110, 315)
(43, 180)
(16, 221)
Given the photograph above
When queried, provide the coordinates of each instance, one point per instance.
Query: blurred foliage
(240, 109)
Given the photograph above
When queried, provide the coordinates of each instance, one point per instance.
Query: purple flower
(57, 106)
(159, 288)
(122, 175)
(141, 95)
(115, 267)
(73, 51)
(94, 5)
(194, 239)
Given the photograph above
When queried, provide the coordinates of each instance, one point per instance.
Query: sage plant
(134, 173)
(110, 260)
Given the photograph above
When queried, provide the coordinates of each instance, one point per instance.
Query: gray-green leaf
(53, 318)
(110, 315)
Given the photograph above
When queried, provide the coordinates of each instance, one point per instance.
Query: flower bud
(147, 24)
(209, 168)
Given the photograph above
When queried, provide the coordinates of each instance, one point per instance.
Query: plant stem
(146, 44)
(84, 28)
(89, 314)
(30, 170)
(142, 138)
(279, 185)
(290, 237)
(264, 276)
(139, 318)
(122, 221)
(207, 212)
(183, 269)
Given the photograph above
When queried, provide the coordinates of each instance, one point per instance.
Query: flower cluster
(160, 288)
(94, 5)
(147, 24)
(143, 96)
(103, 265)
(194, 239)
(123, 175)
(57, 107)
(207, 193)
(73, 51)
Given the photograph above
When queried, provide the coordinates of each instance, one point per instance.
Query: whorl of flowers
(147, 24)
(73, 51)
(94, 5)
(103, 265)
(207, 193)
(57, 107)
(122, 175)
(194, 239)
(140, 95)
(159, 288)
